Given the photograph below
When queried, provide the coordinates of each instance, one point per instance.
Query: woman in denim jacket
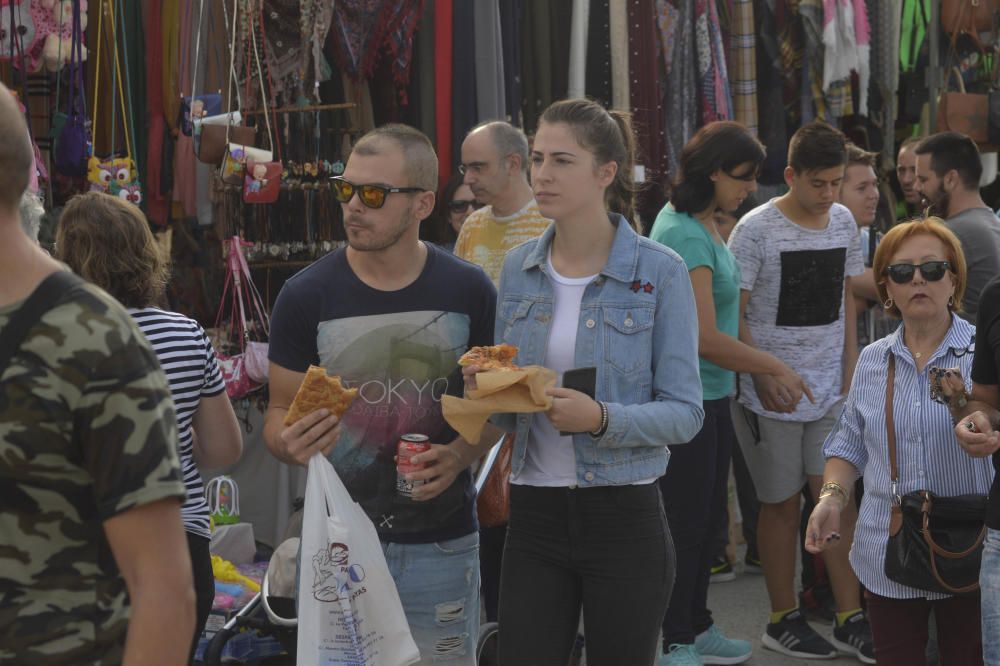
(587, 525)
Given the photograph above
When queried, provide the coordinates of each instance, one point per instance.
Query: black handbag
(935, 543)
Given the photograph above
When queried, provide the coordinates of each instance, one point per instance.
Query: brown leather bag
(968, 16)
(967, 113)
(493, 503)
(213, 144)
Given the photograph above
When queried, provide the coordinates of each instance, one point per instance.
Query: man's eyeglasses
(931, 270)
(372, 196)
(462, 205)
(478, 168)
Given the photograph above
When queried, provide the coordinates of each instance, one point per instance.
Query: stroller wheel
(486, 646)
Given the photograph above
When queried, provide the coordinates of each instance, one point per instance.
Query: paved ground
(740, 609)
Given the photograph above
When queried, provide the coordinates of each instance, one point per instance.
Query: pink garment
(185, 165)
(846, 45)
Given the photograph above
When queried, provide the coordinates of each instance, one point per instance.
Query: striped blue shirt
(927, 453)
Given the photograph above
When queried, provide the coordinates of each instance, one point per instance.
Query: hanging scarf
(743, 63)
(675, 19)
(363, 27)
(716, 100)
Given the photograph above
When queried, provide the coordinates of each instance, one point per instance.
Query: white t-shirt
(796, 278)
(550, 459)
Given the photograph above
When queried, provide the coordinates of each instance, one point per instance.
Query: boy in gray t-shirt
(796, 255)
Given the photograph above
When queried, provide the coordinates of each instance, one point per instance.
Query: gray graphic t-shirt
(796, 307)
(979, 231)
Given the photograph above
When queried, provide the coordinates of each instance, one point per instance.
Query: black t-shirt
(401, 350)
(986, 371)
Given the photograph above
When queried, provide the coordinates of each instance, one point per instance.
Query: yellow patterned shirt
(485, 239)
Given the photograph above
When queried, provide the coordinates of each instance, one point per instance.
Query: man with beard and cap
(948, 173)
(391, 315)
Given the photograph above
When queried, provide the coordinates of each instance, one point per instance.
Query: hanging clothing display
(491, 103)
(885, 17)
(743, 63)
(675, 19)
(443, 85)
(363, 27)
(846, 46)
(645, 89)
(578, 49)
(813, 101)
(618, 37)
(463, 72)
(598, 70)
(510, 32)
(716, 100)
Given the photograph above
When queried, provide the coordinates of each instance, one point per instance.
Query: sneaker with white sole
(854, 638)
(681, 654)
(793, 636)
(722, 571)
(715, 648)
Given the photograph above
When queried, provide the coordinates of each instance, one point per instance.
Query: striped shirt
(927, 453)
(188, 359)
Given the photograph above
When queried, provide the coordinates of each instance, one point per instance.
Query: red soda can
(409, 445)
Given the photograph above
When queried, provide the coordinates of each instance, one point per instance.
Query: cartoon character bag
(262, 179)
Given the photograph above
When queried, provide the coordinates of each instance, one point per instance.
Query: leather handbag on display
(493, 502)
(967, 113)
(968, 16)
(935, 543)
(212, 147)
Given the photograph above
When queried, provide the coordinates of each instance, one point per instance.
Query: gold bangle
(831, 488)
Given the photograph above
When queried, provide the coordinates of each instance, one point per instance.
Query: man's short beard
(939, 206)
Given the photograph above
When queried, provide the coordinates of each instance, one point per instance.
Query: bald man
(94, 567)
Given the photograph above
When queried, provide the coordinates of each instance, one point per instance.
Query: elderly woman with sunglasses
(920, 276)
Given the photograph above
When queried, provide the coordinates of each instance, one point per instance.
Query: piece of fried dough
(318, 391)
(496, 357)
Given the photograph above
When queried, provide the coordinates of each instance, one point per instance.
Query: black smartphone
(583, 380)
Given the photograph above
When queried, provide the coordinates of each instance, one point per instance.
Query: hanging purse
(967, 16)
(966, 113)
(262, 179)
(72, 144)
(935, 543)
(196, 107)
(247, 318)
(241, 137)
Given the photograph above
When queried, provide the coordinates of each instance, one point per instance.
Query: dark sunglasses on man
(931, 270)
(462, 205)
(372, 196)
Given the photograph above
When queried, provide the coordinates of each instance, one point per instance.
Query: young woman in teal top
(718, 170)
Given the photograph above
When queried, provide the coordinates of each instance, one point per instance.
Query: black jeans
(694, 493)
(605, 549)
(491, 540)
(204, 583)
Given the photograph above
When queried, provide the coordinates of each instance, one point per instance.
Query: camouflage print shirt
(87, 431)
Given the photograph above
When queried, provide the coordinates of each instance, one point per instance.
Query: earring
(888, 303)
(951, 301)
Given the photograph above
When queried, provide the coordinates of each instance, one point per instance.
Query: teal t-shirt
(688, 238)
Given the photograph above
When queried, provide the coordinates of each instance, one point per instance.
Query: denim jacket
(638, 327)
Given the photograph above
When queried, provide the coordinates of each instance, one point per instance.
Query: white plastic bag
(349, 611)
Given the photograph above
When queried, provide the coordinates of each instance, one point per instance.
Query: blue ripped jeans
(989, 583)
(438, 584)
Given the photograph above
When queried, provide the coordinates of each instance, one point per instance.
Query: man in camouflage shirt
(94, 567)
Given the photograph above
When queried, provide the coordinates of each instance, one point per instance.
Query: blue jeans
(438, 584)
(989, 583)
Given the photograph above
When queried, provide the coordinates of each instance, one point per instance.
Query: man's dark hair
(953, 151)
(817, 146)
(719, 146)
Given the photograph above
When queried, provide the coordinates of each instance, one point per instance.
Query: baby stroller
(271, 612)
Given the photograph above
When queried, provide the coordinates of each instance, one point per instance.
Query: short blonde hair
(930, 226)
(107, 241)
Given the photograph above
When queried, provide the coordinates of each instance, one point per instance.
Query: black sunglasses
(462, 205)
(931, 270)
(372, 196)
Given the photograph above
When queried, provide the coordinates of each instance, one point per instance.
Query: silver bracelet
(597, 434)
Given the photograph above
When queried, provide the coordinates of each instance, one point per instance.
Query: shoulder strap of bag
(42, 300)
(890, 426)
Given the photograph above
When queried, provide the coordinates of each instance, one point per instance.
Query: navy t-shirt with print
(401, 350)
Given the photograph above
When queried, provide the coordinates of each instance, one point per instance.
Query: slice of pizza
(497, 357)
(318, 391)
